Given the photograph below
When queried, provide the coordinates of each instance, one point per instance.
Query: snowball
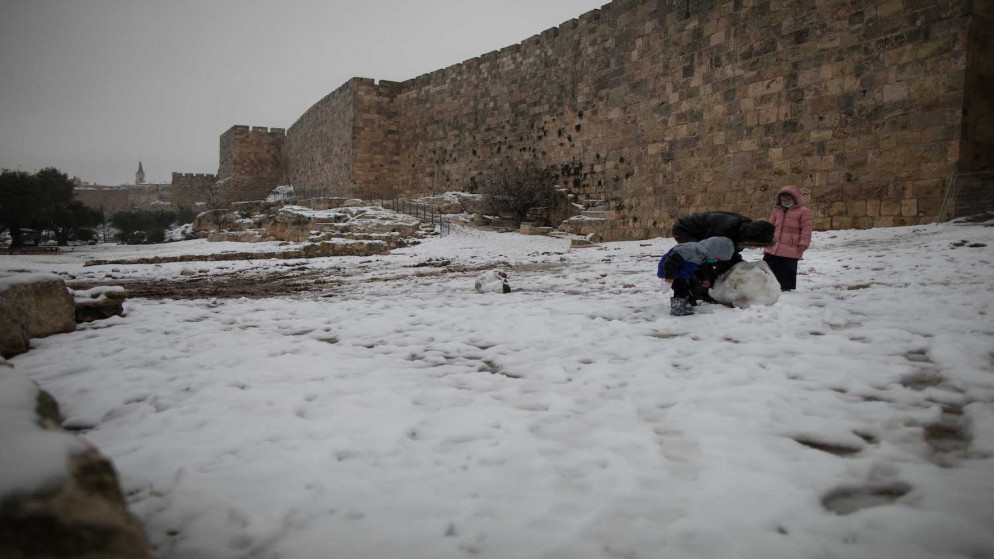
(747, 283)
(493, 281)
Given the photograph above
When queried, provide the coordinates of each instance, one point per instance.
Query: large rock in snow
(33, 306)
(455, 202)
(746, 284)
(99, 303)
(59, 497)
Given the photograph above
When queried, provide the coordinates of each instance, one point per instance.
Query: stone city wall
(150, 196)
(376, 148)
(191, 189)
(251, 160)
(669, 107)
(109, 200)
(858, 103)
(319, 146)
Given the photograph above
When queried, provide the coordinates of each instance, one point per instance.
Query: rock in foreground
(33, 306)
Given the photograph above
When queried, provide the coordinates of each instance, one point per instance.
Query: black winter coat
(738, 228)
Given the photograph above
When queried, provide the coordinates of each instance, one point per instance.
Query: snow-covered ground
(398, 413)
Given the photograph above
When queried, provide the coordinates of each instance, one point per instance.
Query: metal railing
(425, 212)
(969, 195)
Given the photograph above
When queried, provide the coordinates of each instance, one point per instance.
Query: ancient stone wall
(150, 196)
(191, 189)
(109, 200)
(664, 112)
(376, 147)
(228, 152)
(319, 146)
(667, 107)
(252, 161)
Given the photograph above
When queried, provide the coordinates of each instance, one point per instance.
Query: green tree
(67, 221)
(55, 191)
(131, 225)
(185, 214)
(20, 204)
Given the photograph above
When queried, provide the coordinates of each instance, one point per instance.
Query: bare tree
(514, 190)
(217, 206)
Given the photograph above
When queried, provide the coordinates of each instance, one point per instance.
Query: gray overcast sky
(92, 86)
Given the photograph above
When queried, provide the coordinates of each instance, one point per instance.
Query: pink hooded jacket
(793, 226)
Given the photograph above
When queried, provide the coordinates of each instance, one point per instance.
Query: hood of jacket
(719, 248)
(794, 192)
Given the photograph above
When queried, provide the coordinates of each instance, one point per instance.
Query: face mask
(787, 205)
(710, 260)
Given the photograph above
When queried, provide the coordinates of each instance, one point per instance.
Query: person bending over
(743, 231)
(677, 267)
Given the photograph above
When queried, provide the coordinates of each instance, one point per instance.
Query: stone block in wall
(929, 207)
(838, 208)
(842, 222)
(934, 188)
(33, 306)
(895, 92)
(909, 208)
(821, 223)
(890, 208)
(856, 208)
(865, 222)
(873, 208)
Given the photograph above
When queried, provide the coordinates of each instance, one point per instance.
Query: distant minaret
(140, 175)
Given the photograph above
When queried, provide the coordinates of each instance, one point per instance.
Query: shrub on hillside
(512, 190)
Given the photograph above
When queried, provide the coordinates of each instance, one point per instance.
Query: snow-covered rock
(492, 281)
(746, 284)
(61, 496)
(180, 233)
(455, 202)
(281, 193)
(99, 303)
(33, 306)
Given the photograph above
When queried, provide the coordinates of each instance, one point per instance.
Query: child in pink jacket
(791, 238)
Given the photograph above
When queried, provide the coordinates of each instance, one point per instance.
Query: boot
(680, 306)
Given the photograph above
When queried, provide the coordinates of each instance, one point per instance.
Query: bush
(185, 215)
(156, 234)
(514, 190)
(143, 226)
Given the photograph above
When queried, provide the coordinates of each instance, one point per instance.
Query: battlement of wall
(241, 129)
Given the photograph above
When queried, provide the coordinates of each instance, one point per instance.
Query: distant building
(141, 195)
